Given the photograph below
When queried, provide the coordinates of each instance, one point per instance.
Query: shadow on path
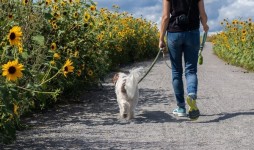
(225, 116)
(101, 108)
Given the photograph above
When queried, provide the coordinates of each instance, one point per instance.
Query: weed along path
(226, 103)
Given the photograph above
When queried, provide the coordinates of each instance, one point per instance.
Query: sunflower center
(12, 70)
(66, 69)
(12, 36)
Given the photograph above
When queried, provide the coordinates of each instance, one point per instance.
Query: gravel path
(226, 102)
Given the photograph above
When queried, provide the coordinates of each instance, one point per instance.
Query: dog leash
(154, 61)
(200, 57)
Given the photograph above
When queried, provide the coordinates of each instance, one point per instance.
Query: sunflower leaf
(39, 39)
(24, 55)
(48, 16)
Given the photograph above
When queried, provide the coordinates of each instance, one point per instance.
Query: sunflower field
(51, 48)
(235, 44)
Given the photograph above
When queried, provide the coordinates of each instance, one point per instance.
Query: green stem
(35, 90)
(50, 78)
(46, 75)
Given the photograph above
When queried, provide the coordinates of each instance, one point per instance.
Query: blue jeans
(185, 44)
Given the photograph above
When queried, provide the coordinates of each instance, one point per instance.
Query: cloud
(217, 10)
(237, 9)
(229, 9)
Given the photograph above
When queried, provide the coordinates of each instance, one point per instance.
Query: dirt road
(225, 100)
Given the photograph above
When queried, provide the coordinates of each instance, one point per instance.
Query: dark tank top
(179, 7)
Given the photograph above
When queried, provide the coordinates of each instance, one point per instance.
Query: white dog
(126, 89)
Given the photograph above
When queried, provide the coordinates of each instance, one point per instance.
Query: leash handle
(203, 41)
(200, 57)
(162, 50)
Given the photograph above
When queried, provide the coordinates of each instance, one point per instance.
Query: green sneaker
(181, 112)
(193, 110)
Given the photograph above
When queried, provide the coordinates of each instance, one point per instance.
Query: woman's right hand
(162, 44)
(205, 28)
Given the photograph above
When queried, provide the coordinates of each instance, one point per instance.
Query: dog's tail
(132, 80)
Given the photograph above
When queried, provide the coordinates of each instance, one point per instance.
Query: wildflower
(57, 15)
(56, 56)
(15, 35)
(25, 2)
(53, 46)
(243, 39)
(10, 16)
(12, 70)
(67, 67)
(48, 2)
(90, 72)
(244, 32)
(55, 7)
(76, 54)
(86, 17)
(55, 26)
(75, 15)
(52, 62)
(92, 8)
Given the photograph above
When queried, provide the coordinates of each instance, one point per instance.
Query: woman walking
(181, 21)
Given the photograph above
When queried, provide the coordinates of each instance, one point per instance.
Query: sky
(216, 10)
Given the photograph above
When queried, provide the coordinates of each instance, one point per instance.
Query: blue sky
(217, 10)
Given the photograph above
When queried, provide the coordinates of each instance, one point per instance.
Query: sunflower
(10, 16)
(90, 72)
(25, 2)
(244, 32)
(12, 70)
(86, 17)
(67, 67)
(75, 15)
(52, 62)
(56, 15)
(243, 39)
(15, 35)
(55, 7)
(92, 8)
(76, 53)
(54, 26)
(48, 2)
(53, 46)
(56, 56)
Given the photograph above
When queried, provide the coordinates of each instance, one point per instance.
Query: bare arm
(203, 16)
(164, 22)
